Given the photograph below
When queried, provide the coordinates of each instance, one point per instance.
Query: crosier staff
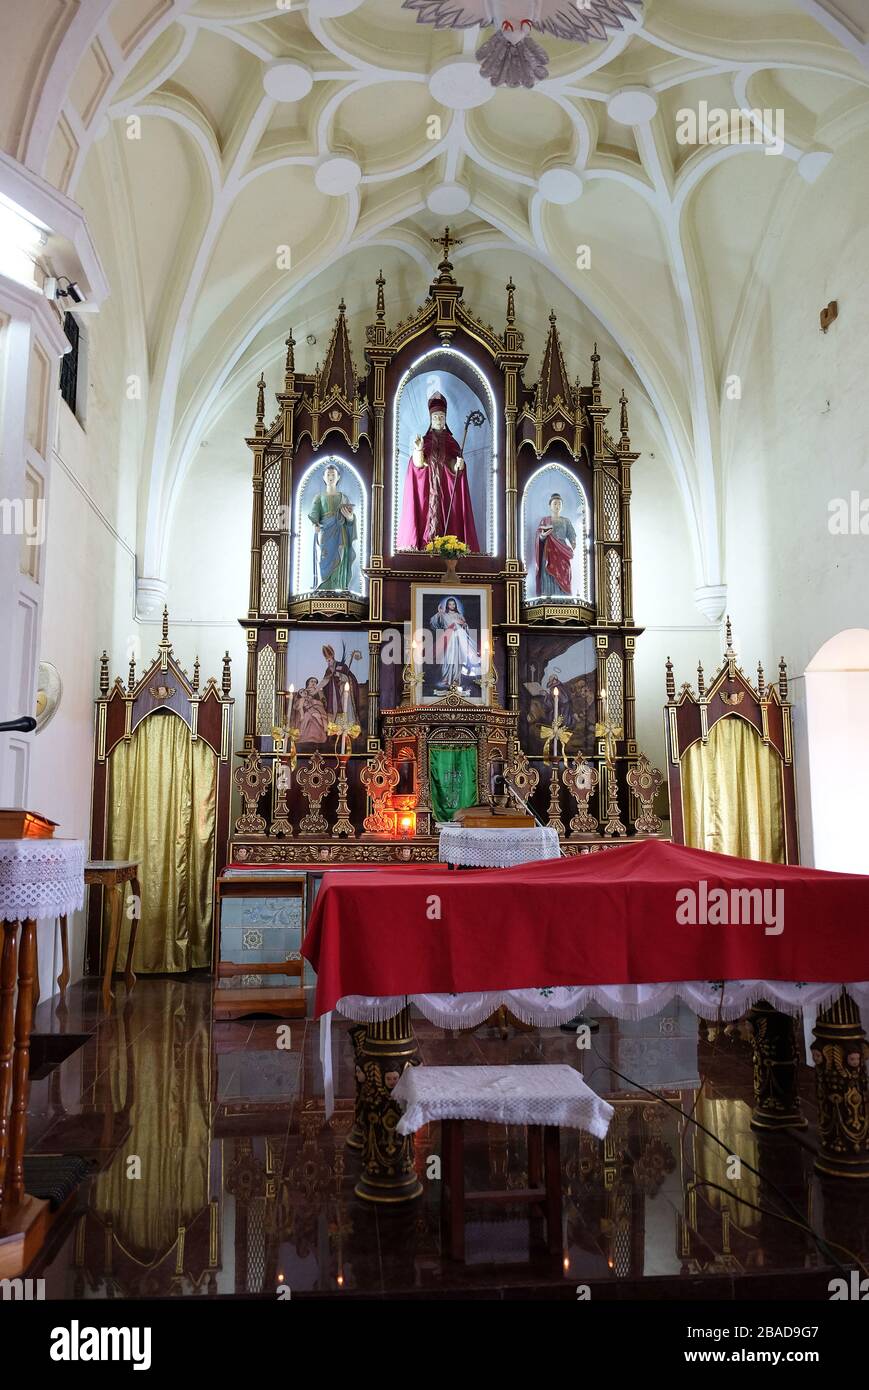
(476, 418)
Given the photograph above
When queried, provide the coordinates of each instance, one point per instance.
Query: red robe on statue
(437, 501)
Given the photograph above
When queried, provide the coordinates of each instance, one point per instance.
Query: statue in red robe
(556, 544)
(437, 500)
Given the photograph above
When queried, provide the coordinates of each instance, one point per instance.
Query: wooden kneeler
(543, 1190)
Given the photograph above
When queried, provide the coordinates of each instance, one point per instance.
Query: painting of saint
(570, 663)
(454, 649)
(320, 697)
(309, 712)
(437, 500)
(556, 542)
(336, 676)
(334, 533)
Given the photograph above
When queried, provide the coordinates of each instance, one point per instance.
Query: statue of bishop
(437, 499)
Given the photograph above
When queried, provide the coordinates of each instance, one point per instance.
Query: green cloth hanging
(453, 780)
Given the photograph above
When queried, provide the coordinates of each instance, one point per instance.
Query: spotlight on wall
(68, 289)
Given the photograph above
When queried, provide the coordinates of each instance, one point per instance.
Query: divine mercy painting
(452, 641)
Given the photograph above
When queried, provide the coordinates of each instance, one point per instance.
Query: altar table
(547, 938)
(589, 923)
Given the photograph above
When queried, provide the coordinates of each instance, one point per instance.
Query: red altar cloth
(604, 918)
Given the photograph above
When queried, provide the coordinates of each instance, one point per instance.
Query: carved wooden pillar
(776, 1065)
(839, 1053)
(388, 1175)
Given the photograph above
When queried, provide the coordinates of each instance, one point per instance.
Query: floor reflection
(215, 1171)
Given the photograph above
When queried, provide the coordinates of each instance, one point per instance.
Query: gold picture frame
(451, 642)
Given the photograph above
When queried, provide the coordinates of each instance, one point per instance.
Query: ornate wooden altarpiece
(120, 710)
(729, 694)
(302, 801)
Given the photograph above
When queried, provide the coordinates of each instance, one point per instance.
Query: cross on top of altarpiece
(446, 242)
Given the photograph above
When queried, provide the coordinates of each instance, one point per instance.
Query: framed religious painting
(567, 664)
(451, 642)
(328, 672)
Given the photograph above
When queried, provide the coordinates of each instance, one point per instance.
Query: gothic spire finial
(290, 367)
(104, 673)
(381, 304)
(595, 367)
(728, 637)
(131, 678)
(671, 684)
(165, 633)
(625, 431)
(260, 402)
(226, 680)
(511, 303)
(782, 680)
(701, 680)
(196, 673)
(761, 682)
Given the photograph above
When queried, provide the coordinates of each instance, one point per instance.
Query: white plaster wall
(802, 441)
(803, 435)
(89, 597)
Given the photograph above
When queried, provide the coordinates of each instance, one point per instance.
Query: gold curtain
(168, 1110)
(729, 1120)
(162, 803)
(732, 793)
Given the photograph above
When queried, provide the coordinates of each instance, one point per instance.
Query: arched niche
(837, 733)
(464, 386)
(547, 539)
(311, 571)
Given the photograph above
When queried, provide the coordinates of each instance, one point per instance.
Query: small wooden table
(110, 873)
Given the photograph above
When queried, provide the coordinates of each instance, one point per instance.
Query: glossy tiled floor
(217, 1173)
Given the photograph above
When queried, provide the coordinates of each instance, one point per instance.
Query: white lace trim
(41, 878)
(548, 1008)
(496, 849)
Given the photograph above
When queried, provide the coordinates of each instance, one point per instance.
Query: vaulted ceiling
(249, 163)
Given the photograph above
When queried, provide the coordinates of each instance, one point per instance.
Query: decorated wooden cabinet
(440, 584)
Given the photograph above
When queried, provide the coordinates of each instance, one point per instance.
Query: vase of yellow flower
(449, 548)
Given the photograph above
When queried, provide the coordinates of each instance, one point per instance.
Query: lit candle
(604, 699)
(346, 695)
(555, 704)
(346, 721)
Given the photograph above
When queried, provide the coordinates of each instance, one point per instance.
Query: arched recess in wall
(837, 728)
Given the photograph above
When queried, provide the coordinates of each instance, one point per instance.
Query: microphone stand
(575, 1023)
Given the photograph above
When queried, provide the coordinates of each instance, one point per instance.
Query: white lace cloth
(40, 878)
(475, 848)
(513, 1095)
(549, 1007)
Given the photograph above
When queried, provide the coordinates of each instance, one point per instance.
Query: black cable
(819, 1240)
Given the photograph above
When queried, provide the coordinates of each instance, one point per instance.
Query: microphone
(25, 725)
